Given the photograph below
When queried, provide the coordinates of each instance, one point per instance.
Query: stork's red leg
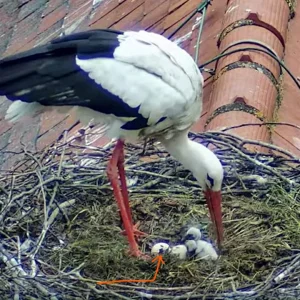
(120, 164)
(112, 172)
(124, 189)
(206, 194)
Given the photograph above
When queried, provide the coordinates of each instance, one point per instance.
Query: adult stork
(138, 84)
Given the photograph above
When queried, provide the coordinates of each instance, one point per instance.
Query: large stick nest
(60, 228)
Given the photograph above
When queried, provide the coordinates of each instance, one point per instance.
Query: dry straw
(60, 228)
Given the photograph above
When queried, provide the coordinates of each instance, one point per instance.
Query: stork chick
(193, 233)
(180, 251)
(201, 249)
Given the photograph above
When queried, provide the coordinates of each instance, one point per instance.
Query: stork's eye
(211, 180)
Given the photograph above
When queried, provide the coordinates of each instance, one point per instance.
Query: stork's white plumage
(137, 84)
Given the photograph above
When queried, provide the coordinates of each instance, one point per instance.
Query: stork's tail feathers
(19, 109)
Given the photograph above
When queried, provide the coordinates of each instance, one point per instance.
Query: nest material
(60, 228)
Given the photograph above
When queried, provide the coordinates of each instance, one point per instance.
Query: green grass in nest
(258, 233)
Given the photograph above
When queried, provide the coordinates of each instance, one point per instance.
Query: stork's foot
(137, 233)
(138, 254)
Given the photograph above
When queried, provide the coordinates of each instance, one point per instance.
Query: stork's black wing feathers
(96, 34)
(98, 40)
(48, 74)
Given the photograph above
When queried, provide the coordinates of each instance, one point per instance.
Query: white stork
(137, 84)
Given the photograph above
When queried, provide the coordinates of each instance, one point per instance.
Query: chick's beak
(214, 203)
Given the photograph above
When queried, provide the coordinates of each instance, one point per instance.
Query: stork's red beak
(214, 203)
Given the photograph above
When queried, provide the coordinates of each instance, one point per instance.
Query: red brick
(3, 145)
(4, 126)
(75, 4)
(103, 10)
(117, 14)
(52, 5)
(181, 13)
(81, 24)
(158, 27)
(22, 2)
(212, 27)
(131, 21)
(53, 17)
(155, 15)
(176, 4)
(5, 129)
(77, 17)
(25, 31)
(183, 31)
(5, 38)
(30, 7)
(80, 5)
(49, 34)
(4, 104)
(288, 137)
(23, 134)
(8, 16)
(151, 5)
(52, 126)
(49, 120)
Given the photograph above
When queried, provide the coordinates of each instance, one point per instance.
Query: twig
(295, 263)
(48, 223)
(61, 173)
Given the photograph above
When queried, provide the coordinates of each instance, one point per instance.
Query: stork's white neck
(196, 158)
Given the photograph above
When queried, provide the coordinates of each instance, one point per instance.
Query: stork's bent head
(209, 174)
(208, 171)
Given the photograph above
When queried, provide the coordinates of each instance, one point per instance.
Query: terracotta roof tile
(24, 32)
(131, 21)
(51, 126)
(289, 112)
(272, 14)
(180, 13)
(119, 12)
(211, 30)
(8, 17)
(76, 4)
(30, 7)
(183, 31)
(155, 15)
(52, 5)
(152, 4)
(176, 4)
(158, 27)
(78, 15)
(53, 17)
(104, 9)
(247, 83)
